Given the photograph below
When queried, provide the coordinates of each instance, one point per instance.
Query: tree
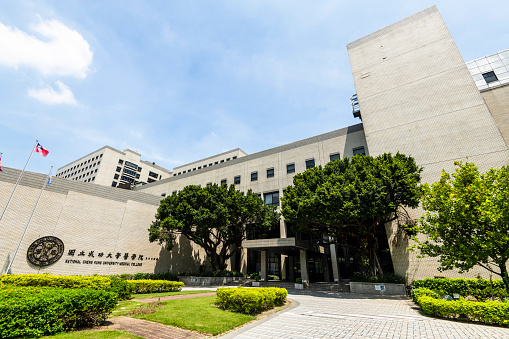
(467, 220)
(214, 217)
(352, 199)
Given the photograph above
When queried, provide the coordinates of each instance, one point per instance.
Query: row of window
(273, 198)
(79, 168)
(205, 166)
(82, 175)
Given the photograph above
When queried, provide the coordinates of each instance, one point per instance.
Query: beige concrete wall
(87, 218)
(319, 148)
(497, 100)
(417, 96)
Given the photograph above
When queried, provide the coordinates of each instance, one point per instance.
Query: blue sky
(182, 80)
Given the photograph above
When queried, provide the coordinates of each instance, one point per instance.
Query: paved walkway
(323, 315)
(150, 330)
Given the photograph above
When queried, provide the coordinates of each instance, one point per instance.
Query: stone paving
(150, 330)
(327, 315)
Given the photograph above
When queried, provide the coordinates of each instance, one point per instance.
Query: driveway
(346, 315)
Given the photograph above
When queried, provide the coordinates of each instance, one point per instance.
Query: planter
(377, 288)
(255, 284)
(299, 286)
(207, 281)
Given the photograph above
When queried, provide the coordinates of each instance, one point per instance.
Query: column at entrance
(334, 259)
(304, 265)
(263, 273)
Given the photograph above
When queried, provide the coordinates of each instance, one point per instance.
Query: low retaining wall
(377, 288)
(207, 281)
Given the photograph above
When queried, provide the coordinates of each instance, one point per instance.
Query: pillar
(282, 228)
(334, 259)
(284, 264)
(304, 265)
(263, 273)
(290, 266)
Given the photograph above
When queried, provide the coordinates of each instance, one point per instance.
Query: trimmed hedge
(112, 284)
(37, 311)
(151, 286)
(148, 276)
(478, 288)
(250, 300)
(491, 312)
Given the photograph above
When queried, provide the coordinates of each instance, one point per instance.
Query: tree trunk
(374, 263)
(505, 276)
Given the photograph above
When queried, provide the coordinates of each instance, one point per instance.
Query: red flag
(40, 149)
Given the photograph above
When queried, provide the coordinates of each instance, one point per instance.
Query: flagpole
(28, 222)
(19, 178)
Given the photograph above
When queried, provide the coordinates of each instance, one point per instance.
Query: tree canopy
(467, 220)
(214, 217)
(352, 199)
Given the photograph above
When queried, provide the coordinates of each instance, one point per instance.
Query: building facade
(110, 167)
(414, 94)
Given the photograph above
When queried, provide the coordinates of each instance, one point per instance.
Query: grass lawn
(196, 314)
(92, 334)
(165, 294)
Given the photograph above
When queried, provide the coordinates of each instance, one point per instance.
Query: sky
(178, 81)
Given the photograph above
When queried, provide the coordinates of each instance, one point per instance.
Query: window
(174, 192)
(216, 163)
(95, 170)
(490, 77)
(227, 159)
(98, 163)
(128, 171)
(334, 156)
(101, 156)
(120, 161)
(204, 166)
(310, 163)
(235, 157)
(209, 184)
(132, 165)
(174, 174)
(270, 172)
(184, 172)
(114, 184)
(272, 199)
(119, 169)
(137, 176)
(199, 167)
(93, 178)
(223, 182)
(254, 176)
(163, 194)
(290, 168)
(359, 151)
(149, 180)
(180, 173)
(194, 169)
(236, 180)
(115, 176)
(222, 161)
(153, 175)
(139, 169)
(128, 179)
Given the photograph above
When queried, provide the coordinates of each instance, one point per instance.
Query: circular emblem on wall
(45, 251)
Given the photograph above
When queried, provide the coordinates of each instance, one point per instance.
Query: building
(110, 167)
(414, 94)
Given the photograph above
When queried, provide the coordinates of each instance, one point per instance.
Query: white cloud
(51, 97)
(63, 51)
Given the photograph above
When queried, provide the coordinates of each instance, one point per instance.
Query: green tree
(214, 217)
(467, 220)
(352, 199)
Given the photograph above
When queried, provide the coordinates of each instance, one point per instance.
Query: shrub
(298, 280)
(151, 286)
(419, 292)
(273, 277)
(478, 288)
(113, 284)
(250, 301)
(149, 276)
(36, 311)
(385, 278)
(491, 312)
(212, 274)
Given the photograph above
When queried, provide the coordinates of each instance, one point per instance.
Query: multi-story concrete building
(110, 167)
(414, 94)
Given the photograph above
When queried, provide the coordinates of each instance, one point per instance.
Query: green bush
(250, 301)
(212, 274)
(112, 284)
(385, 278)
(149, 276)
(272, 277)
(36, 311)
(478, 288)
(151, 286)
(491, 312)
